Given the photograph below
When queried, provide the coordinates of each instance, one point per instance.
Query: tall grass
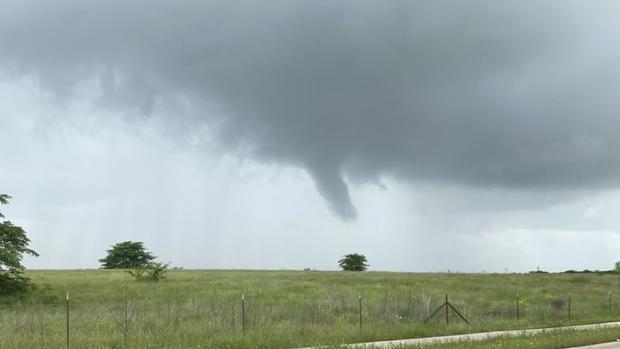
(202, 309)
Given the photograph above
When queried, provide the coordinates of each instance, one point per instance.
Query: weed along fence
(262, 319)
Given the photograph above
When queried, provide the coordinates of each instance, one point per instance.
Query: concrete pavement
(486, 335)
(614, 345)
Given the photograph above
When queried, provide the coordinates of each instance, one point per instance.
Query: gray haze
(480, 112)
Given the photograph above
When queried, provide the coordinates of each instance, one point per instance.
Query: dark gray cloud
(512, 94)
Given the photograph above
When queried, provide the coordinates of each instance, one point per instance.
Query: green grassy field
(286, 309)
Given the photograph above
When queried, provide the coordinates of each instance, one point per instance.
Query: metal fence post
(447, 313)
(518, 315)
(243, 314)
(126, 314)
(359, 298)
(67, 316)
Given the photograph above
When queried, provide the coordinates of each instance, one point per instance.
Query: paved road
(485, 335)
(615, 345)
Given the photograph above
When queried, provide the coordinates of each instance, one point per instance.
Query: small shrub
(524, 304)
(14, 284)
(153, 272)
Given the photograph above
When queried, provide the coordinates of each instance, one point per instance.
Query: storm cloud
(521, 95)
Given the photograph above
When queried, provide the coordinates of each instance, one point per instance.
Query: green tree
(617, 267)
(13, 245)
(127, 255)
(353, 262)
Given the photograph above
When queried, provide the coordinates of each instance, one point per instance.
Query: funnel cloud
(519, 95)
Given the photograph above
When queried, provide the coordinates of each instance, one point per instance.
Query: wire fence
(73, 324)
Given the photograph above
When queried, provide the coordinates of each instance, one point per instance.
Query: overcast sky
(427, 135)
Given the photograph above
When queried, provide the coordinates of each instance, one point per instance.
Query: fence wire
(133, 319)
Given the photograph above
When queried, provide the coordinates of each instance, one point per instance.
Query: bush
(153, 272)
(14, 283)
